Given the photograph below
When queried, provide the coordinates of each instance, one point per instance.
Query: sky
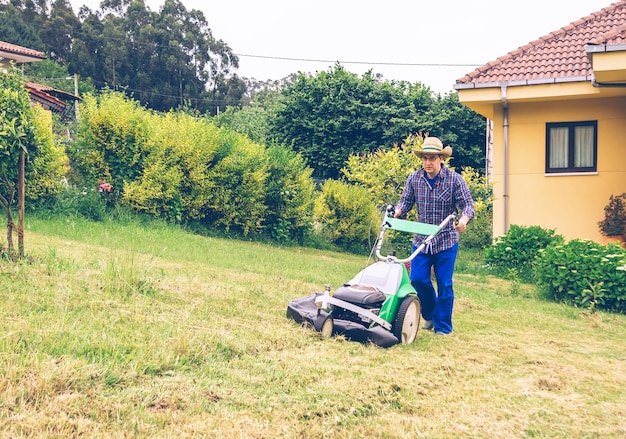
(434, 42)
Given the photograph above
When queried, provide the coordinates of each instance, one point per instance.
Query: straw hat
(432, 145)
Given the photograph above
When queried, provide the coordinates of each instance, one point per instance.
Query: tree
(167, 59)
(16, 140)
(458, 126)
(334, 114)
(59, 29)
(14, 30)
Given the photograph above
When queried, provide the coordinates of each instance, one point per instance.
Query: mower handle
(386, 224)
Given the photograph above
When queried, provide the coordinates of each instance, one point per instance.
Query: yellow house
(557, 108)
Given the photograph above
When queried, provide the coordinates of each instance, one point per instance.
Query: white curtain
(558, 147)
(583, 147)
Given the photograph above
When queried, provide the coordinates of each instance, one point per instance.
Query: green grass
(139, 329)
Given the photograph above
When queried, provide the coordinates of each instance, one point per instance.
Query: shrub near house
(569, 272)
(614, 222)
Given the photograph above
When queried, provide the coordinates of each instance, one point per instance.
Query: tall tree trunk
(20, 203)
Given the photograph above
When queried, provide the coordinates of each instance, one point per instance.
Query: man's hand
(461, 224)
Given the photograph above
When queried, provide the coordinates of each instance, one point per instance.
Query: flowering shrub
(105, 187)
(614, 221)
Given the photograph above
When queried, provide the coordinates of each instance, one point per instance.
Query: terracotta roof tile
(559, 55)
(53, 92)
(40, 91)
(14, 48)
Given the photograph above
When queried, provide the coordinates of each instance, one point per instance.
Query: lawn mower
(379, 304)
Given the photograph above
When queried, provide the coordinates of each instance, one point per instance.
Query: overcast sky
(434, 42)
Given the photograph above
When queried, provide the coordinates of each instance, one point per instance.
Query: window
(571, 147)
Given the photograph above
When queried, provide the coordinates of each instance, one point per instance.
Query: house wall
(4, 64)
(570, 204)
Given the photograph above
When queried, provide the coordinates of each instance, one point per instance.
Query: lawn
(143, 330)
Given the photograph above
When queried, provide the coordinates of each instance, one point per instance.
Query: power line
(359, 62)
(285, 58)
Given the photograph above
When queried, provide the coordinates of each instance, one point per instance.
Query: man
(437, 192)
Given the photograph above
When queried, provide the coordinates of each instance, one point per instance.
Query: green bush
(290, 196)
(112, 141)
(84, 202)
(174, 182)
(50, 166)
(186, 169)
(479, 233)
(513, 254)
(346, 216)
(583, 272)
(239, 178)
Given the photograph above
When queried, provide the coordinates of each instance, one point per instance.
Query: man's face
(431, 163)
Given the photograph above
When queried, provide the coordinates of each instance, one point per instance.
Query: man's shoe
(427, 324)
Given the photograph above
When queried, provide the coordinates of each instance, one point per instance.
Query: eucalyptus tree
(165, 59)
(59, 29)
(16, 29)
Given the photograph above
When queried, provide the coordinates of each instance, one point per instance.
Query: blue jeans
(436, 306)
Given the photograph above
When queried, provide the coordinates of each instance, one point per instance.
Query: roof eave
(20, 58)
(522, 82)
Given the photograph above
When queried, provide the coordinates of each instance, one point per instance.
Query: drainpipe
(505, 126)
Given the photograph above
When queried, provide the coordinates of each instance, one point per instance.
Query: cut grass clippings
(140, 330)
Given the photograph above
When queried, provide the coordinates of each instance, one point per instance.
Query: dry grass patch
(101, 341)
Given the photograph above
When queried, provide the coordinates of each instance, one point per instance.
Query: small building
(50, 98)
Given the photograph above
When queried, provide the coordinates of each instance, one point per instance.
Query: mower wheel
(407, 321)
(325, 327)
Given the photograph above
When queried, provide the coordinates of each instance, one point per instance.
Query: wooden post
(76, 94)
(20, 203)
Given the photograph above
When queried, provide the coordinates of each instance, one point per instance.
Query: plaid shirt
(448, 195)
